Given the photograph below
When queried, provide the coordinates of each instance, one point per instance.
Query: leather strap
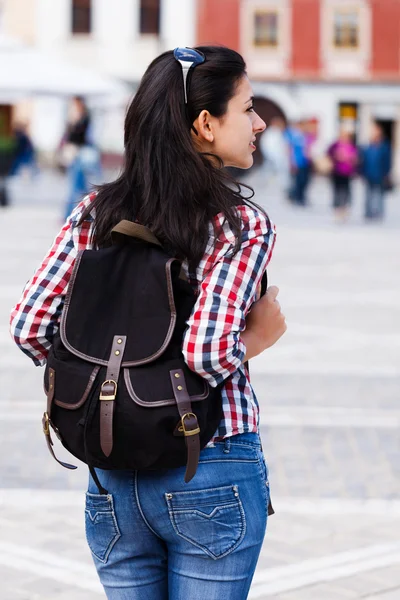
(189, 423)
(46, 422)
(132, 229)
(270, 508)
(51, 390)
(108, 393)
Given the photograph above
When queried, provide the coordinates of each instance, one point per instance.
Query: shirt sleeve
(211, 344)
(35, 319)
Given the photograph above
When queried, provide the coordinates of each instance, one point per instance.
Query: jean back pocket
(102, 531)
(213, 520)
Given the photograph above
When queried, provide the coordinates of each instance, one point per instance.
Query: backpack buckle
(188, 432)
(105, 395)
(46, 424)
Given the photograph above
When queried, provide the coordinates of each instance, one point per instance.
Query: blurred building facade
(332, 60)
(335, 60)
(117, 38)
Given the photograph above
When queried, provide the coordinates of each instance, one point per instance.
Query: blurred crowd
(77, 155)
(292, 154)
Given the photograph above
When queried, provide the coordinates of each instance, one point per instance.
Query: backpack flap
(125, 289)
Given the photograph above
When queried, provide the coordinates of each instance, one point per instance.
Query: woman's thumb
(272, 293)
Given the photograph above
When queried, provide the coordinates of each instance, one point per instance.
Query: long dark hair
(166, 184)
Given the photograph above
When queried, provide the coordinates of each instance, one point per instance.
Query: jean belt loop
(227, 447)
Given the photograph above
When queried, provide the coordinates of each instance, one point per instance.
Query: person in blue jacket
(300, 162)
(25, 155)
(375, 168)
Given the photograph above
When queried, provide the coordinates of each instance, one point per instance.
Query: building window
(266, 29)
(346, 29)
(81, 16)
(150, 16)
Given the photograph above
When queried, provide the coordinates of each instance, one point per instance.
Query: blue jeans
(301, 179)
(85, 167)
(155, 537)
(374, 200)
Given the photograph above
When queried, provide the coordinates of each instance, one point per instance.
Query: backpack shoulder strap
(131, 229)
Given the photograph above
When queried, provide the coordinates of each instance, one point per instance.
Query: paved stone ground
(329, 393)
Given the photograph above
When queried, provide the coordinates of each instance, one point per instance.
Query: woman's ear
(204, 126)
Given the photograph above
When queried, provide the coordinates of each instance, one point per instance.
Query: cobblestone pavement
(329, 394)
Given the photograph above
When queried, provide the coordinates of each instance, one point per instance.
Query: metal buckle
(46, 424)
(190, 431)
(113, 396)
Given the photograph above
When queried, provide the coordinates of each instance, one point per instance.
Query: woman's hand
(265, 324)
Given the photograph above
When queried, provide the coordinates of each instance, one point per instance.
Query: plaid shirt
(226, 287)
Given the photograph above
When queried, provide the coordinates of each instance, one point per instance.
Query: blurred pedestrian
(152, 535)
(300, 162)
(344, 156)
(25, 156)
(7, 156)
(275, 149)
(79, 154)
(375, 167)
(310, 130)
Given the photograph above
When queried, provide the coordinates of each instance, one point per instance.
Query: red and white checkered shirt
(227, 287)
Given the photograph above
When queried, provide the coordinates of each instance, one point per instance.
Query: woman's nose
(259, 125)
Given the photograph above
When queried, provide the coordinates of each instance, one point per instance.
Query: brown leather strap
(108, 393)
(270, 508)
(189, 423)
(46, 422)
(51, 390)
(132, 229)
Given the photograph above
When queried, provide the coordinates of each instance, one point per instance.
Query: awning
(25, 71)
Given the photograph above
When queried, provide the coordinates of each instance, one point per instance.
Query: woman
(192, 114)
(344, 156)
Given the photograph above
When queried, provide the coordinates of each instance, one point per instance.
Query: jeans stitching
(116, 528)
(196, 511)
(243, 527)
(139, 506)
(190, 492)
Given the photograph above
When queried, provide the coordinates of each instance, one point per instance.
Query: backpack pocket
(75, 384)
(150, 385)
(73, 381)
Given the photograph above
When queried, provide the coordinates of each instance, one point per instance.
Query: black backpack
(119, 393)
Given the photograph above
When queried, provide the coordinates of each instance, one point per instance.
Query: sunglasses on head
(188, 59)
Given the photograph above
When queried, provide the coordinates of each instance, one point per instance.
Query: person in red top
(154, 537)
